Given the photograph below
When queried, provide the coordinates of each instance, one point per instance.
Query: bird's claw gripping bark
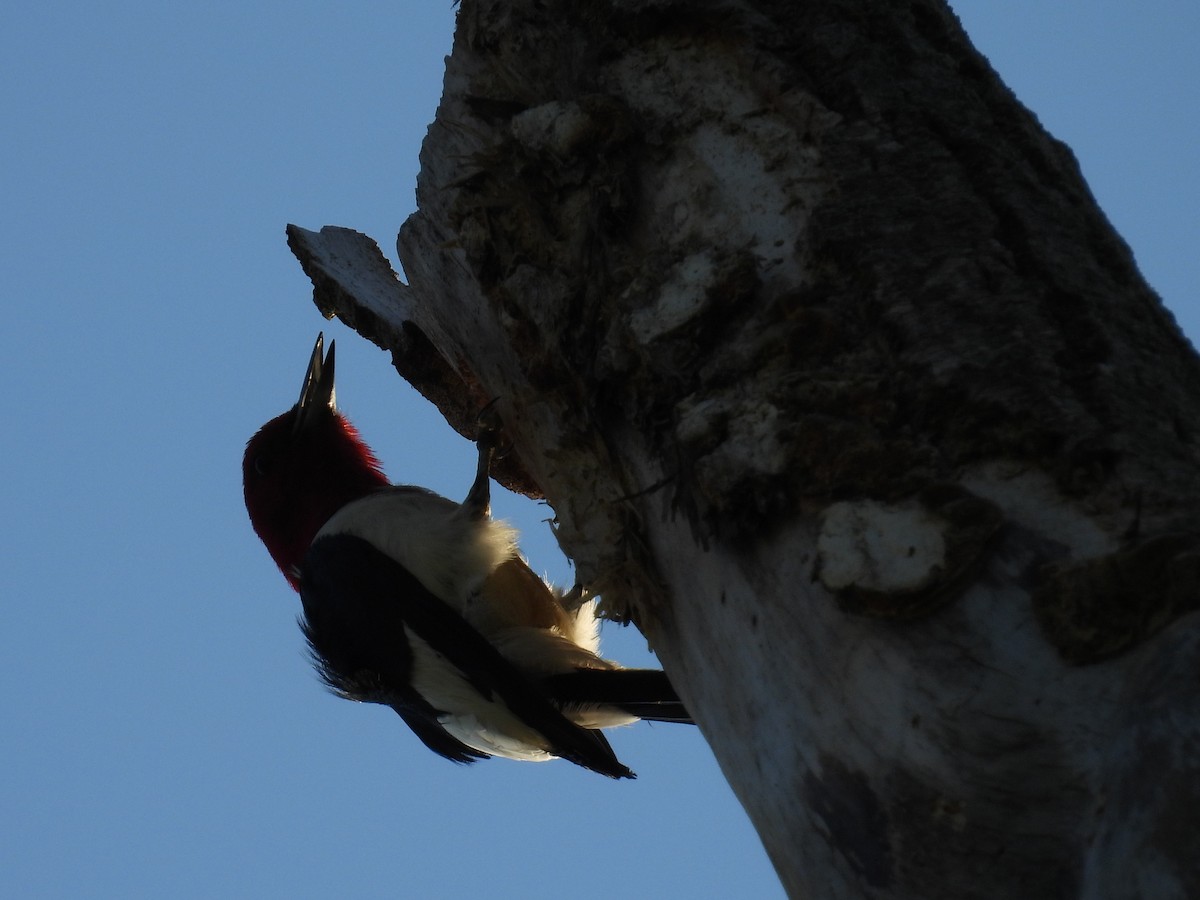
(491, 429)
(574, 598)
(489, 441)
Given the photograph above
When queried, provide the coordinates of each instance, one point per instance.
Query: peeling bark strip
(794, 310)
(353, 280)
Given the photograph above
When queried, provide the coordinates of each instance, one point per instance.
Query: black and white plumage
(425, 605)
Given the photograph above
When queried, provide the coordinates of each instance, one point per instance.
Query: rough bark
(843, 389)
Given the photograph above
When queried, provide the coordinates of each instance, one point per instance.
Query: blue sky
(163, 734)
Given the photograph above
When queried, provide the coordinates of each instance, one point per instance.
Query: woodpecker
(416, 602)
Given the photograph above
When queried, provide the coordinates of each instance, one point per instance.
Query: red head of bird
(303, 466)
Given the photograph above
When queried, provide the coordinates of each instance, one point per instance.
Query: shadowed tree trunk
(844, 390)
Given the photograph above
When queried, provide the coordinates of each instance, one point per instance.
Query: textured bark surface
(845, 391)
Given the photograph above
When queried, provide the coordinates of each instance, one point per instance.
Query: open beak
(316, 394)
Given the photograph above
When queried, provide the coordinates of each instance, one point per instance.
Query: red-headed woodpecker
(425, 605)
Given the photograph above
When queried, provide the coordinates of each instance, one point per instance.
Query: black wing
(425, 726)
(358, 643)
(358, 602)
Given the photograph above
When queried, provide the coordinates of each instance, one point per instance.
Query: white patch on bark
(736, 177)
(682, 296)
(557, 127)
(751, 443)
(871, 545)
(1031, 499)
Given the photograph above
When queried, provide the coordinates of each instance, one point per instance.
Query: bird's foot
(574, 598)
(490, 443)
(490, 433)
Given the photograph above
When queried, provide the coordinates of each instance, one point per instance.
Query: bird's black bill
(316, 394)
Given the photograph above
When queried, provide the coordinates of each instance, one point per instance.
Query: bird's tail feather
(645, 693)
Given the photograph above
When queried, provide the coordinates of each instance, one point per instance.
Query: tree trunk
(844, 390)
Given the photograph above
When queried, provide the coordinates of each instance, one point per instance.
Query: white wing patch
(443, 545)
(479, 722)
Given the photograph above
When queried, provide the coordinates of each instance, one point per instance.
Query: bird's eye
(261, 464)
